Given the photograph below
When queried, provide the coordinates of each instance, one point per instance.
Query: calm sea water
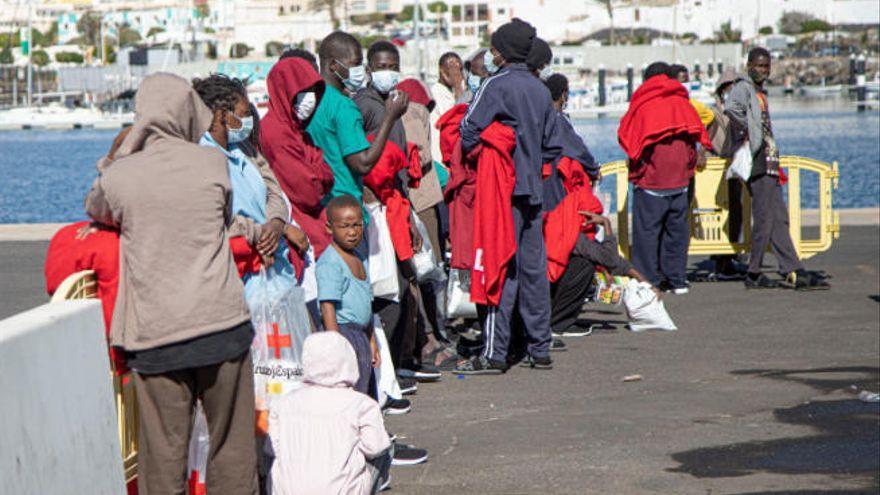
(46, 174)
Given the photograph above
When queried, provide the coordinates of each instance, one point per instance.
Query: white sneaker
(680, 291)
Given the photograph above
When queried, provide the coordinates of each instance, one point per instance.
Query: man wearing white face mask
(383, 64)
(539, 59)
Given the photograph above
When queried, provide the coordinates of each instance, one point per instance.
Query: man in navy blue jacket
(516, 98)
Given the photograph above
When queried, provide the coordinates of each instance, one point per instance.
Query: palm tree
(329, 6)
(610, 8)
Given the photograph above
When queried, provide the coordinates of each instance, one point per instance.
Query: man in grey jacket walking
(748, 109)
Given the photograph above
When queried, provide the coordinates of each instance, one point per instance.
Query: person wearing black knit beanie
(513, 96)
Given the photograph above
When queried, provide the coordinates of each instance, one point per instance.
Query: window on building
(456, 31)
(567, 60)
(281, 10)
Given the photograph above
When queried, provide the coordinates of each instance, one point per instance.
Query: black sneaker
(803, 280)
(539, 363)
(760, 281)
(574, 331)
(396, 407)
(557, 345)
(479, 365)
(407, 455)
(408, 386)
(421, 373)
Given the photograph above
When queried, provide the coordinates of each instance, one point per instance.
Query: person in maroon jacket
(659, 134)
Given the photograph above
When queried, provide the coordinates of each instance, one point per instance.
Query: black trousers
(660, 237)
(567, 295)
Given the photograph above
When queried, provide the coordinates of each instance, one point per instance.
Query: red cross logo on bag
(276, 341)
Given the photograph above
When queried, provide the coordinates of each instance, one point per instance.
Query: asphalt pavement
(755, 393)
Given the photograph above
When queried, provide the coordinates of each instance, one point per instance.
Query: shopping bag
(199, 445)
(458, 295)
(382, 257)
(281, 324)
(386, 377)
(424, 260)
(644, 310)
(741, 163)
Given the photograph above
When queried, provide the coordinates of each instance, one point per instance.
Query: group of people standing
(200, 196)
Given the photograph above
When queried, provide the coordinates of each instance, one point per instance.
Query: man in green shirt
(337, 126)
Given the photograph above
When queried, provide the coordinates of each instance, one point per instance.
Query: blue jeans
(660, 237)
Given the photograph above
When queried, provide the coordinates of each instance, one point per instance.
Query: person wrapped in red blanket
(460, 190)
(659, 134)
(295, 89)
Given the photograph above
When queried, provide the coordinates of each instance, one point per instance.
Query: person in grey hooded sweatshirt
(180, 313)
(748, 109)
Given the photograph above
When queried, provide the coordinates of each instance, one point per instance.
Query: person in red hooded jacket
(659, 134)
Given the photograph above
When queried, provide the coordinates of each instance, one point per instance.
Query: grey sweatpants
(770, 225)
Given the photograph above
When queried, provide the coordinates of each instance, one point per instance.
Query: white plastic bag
(424, 260)
(644, 310)
(382, 257)
(741, 163)
(458, 295)
(281, 325)
(199, 446)
(386, 377)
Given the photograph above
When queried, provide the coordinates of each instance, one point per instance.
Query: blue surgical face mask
(242, 133)
(489, 62)
(473, 82)
(357, 77)
(385, 80)
(546, 72)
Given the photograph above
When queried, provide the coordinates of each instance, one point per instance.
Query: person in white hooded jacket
(326, 437)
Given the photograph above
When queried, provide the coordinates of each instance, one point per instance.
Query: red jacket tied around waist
(297, 163)
(382, 181)
(661, 119)
(460, 190)
(494, 235)
(564, 224)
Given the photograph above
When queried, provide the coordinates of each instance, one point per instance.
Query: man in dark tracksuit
(514, 97)
(567, 294)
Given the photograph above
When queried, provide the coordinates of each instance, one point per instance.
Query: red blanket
(297, 163)
(381, 180)
(659, 109)
(414, 165)
(460, 191)
(494, 233)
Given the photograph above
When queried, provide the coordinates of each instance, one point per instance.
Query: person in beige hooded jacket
(180, 314)
(326, 437)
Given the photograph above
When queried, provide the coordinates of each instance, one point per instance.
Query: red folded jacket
(382, 181)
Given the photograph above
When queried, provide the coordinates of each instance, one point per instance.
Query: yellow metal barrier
(710, 208)
(83, 285)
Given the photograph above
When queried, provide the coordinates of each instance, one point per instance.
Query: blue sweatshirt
(518, 99)
(574, 147)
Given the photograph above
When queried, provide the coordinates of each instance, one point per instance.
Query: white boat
(56, 116)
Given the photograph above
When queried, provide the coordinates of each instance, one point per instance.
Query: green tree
(128, 36)
(6, 56)
(792, 22)
(239, 50)
(766, 30)
(89, 28)
(726, 34)
(609, 7)
(40, 58)
(274, 48)
(814, 25)
(406, 14)
(330, 6)
(437, 7)
(69, 58)
(154, 31)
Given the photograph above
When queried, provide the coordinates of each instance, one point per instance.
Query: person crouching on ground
(180, 314)
(327, 438)
(344, 291)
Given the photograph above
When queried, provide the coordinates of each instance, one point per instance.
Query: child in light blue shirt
(344, 290)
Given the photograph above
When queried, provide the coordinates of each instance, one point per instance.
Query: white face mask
(305, 104)
(489, 62)
(357, 77)
(546, 72)
(234, 136)
(385, 80)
